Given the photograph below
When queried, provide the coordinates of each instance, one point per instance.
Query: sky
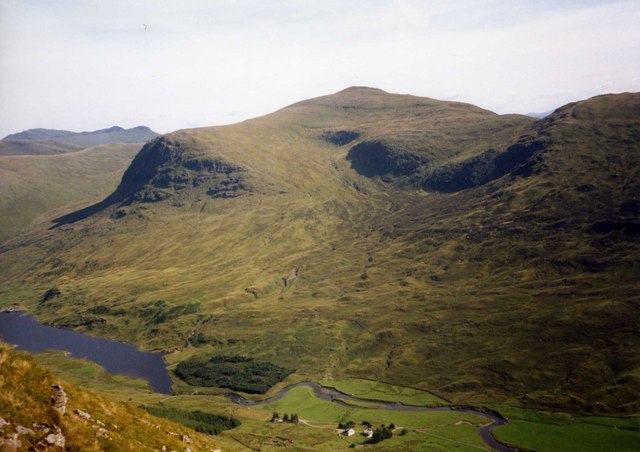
(85, 65)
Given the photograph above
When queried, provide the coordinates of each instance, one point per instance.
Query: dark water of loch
(116, 357)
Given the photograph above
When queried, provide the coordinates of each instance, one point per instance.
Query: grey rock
(56, 439)
(20, 430)
(11, 444)
(83, 414)
(59, 399)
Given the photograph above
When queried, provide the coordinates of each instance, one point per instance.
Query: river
(333, 395)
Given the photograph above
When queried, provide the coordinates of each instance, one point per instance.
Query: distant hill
(50, 141)
(488, 258)
(540, 115)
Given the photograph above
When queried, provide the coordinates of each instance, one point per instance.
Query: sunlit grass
(33, 186)
(375, 390)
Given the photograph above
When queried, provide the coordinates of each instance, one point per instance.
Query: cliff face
(165, 169)
(172, 170)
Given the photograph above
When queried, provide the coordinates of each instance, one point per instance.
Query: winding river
(333, 395)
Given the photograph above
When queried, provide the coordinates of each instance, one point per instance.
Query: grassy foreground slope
(25, 393)
(435, 244)
(33, 185)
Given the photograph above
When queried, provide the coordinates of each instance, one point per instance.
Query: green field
(384, 392)
(301, 400)
(549, 431)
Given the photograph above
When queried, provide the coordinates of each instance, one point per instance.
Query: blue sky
(83, 65)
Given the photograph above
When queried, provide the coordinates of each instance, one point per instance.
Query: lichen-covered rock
(56, 439)
(20, 430)
(11, 444)
(59, 399)
(41, 428)
(102, 432)
(83, 414)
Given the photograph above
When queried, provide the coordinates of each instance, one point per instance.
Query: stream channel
(333, 395)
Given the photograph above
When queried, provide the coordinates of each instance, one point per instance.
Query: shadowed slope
(164, 169)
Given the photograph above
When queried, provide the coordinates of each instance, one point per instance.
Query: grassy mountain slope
(32, 147)
(31, 186)
(487, 258)
(25, 394)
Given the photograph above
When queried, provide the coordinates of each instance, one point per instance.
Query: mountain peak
(361, 97)
(362, 89)
(38, 134)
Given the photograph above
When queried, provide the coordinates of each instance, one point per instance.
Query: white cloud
(83, 65)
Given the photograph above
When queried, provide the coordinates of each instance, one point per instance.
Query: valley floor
(431, 430)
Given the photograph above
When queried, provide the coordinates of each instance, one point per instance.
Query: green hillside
(489, 259)
(33, 185)
(36, 147)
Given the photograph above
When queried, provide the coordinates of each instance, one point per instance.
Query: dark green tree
(381, 433)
